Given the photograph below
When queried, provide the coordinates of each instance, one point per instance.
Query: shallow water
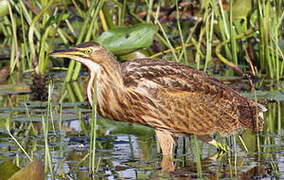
(127, 151)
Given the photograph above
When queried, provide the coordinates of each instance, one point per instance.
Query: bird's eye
(88, 51)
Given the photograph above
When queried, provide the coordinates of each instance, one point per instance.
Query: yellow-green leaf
(123, 40)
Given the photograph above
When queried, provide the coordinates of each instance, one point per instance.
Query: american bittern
(171, 98)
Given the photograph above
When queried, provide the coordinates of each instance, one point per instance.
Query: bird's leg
(166, 141)
(167, 164)
(221, 147)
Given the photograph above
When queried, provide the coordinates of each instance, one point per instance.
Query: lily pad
(123, 40)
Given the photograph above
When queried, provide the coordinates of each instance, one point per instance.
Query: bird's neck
(105, 77)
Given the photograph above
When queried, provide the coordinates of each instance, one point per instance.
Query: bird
(173, 98)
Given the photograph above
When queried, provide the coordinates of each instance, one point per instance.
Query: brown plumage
(170, 97)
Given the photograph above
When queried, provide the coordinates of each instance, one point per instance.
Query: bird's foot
(222, 148)
(216, 156)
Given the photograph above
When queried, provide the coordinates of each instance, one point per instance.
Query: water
(126, 151)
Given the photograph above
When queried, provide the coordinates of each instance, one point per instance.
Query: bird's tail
(251, 116)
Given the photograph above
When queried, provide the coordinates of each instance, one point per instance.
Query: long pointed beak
(68, 53)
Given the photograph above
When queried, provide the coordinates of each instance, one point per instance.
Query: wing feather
(200, 104)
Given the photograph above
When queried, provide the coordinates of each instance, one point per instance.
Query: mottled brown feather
(170, 97)
(198, 103)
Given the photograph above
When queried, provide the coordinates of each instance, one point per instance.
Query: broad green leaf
(123, 40)
(134, 55)
(241, 8)
(4, 7)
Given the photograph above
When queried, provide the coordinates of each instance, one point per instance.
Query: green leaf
(4, 8)
(123, 40)
(55, 19)
(241, 8)
(134, 55)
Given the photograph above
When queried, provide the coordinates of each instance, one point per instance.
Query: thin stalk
(15, 140)
(235, 155)
(75, 67)
(149, 12)
(247, 34)
(279, 122)
(24, 46)
(170, 50)
(164, 33)
(108, 17)
(261, 52)
(180, 34)
(224, 20)
(282, 57)
(49, 106)
(198, 48)
(77, 91)
(232, 34)
(78, 9)
(63, 35)
(209, 34)
(197, 156)
(230, 168)
(43, 59)
(32, 29)
(103, 20)
(71, 95)
(70, 70)
(190, 34)
(243, 143)
(93, 134)
(123, 12)
(14, 54)
(29, 116)
(60, 116)
(63, 96)
(197, 43)
(28, 17)
(222, 23)
(70, 27)
(267, 30)
(47, 155)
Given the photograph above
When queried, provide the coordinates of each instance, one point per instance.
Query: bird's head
(89, 53)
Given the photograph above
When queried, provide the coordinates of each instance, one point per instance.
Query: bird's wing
(204, 113)
(171, 76)
(193, 93)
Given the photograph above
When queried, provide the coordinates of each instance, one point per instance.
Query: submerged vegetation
(241, 38)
